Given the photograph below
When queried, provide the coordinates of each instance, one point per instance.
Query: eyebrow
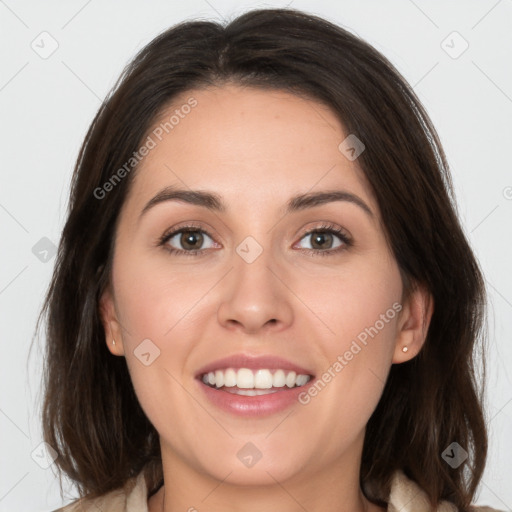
(214, 202)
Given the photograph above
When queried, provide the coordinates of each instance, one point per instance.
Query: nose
(255, 296)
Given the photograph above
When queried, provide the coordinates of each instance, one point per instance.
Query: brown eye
(321, 240)
(324, 240)
(191, 239)
(186, 241)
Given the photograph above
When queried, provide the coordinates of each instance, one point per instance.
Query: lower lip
(258, 405)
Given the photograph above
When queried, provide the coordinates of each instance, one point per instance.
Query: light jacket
(405, 496)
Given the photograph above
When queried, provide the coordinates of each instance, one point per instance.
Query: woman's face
(259, 285)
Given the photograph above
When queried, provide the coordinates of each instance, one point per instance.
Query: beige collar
(407, 496)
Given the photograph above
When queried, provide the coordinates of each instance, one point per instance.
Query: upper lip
(254, 362)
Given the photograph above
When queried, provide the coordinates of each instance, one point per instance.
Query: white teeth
(263, 379)
(290, 379)
(219, 378)
(229, 378)
(245, 378)
(279, 378)
(251, 392)
(301, 380)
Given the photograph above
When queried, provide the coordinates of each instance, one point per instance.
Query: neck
(332, 487)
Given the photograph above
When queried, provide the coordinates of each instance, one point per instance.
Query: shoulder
(484, 509)
(407, 496)
(132, 497)
(114, 501)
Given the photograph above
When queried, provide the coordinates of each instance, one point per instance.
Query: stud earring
(113, 342)
(404, 349)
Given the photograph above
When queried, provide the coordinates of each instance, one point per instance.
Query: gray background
(47, 102)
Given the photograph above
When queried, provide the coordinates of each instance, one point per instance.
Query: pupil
(320, 237)
(189, 239)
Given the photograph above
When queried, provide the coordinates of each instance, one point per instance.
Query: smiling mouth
(249, 382)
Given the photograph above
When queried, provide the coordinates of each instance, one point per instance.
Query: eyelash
(325, 228)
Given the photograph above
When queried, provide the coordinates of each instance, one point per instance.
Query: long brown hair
(91, 414)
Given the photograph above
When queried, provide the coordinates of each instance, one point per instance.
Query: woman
(200, 355)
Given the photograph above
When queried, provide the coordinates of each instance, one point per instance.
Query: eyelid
(326, 225)
(189, 226)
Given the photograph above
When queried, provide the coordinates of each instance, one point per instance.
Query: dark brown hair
(91, 414)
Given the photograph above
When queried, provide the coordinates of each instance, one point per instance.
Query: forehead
(254, 147)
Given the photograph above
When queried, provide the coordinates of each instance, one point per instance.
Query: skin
(257, 149)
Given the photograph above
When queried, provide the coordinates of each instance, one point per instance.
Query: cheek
(162, 317)
(360, 301)
(156, 301)
(360, 310)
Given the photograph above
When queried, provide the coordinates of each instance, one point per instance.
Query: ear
(111, 325)
(413, 324)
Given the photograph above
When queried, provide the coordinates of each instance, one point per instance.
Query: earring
(113, 342)
(404, 349)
